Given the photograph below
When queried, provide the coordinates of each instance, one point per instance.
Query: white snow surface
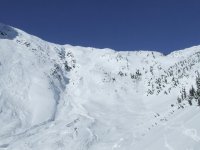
(63, 97)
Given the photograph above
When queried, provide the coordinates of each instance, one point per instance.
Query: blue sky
(162, 25)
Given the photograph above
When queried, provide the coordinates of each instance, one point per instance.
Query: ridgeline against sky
(162, 25)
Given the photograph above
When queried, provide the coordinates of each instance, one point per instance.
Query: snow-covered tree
(198, 89)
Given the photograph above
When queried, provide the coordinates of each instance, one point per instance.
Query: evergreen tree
(190, 100)
(184, 93)
(198, 102)
(192, 92)
(198, 89)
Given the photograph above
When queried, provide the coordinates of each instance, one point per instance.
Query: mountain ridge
(23, 32)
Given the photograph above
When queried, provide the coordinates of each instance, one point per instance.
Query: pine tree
(192, 92)
(184, 93)
(198, 102)
(190, 100)
(198, 89)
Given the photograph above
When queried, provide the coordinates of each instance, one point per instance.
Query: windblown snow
(63, 97)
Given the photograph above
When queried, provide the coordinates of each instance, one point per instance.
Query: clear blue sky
(162, 25)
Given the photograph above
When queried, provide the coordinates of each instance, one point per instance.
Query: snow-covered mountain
(64, 97)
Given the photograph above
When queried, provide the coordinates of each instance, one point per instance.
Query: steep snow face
(29, 92)
(66, 97)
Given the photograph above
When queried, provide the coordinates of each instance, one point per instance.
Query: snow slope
(64, 97)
